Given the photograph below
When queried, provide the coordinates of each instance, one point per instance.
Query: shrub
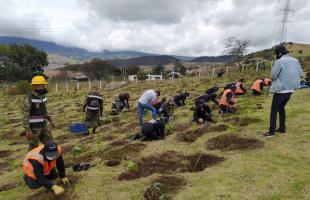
(23, 87)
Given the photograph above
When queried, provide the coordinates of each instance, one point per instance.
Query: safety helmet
(38, 80)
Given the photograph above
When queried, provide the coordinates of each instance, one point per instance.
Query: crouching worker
(152, 130)
(120, 102)
(212, 90)
(240, 90)
(165, 108)
(40, 167)
(94, 109)
(180, 100)
(202, 112)
(258, 86)
(227, 101)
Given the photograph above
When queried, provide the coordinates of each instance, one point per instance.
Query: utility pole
(285, 14)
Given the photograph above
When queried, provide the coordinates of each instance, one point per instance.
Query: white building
(132, 77)
(154, 77)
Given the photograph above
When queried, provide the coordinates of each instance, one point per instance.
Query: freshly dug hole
(163, 187)
(170, 162)
(232, 142)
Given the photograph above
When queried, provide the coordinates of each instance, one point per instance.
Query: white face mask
(51, 158)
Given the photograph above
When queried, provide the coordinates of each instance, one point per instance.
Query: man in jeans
(285, 75)
(147, 101)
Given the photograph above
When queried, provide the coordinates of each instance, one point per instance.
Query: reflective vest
(37, 118)
(267, 81)
(34, 154)
(238, 88)
(256, 85)
(224, 100)
(93, 102)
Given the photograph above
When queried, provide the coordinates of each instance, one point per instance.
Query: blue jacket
(285, 74)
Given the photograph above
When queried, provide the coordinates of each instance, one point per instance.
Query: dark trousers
(226, 109)
(34, 184)
(279, 101)
(255, 93)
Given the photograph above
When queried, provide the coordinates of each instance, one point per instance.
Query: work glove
(65, 181)
(58, 190)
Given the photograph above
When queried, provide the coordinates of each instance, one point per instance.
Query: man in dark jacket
(180, 100)
(202, 112)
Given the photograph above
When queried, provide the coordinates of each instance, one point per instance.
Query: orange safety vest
(224, 101)
(267, 81)
(256, 86)
(34, 154)
(238, 88)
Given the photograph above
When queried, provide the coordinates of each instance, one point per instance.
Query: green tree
(179, 67)
(158, 69)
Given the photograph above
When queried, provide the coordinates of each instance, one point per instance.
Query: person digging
(40, 166)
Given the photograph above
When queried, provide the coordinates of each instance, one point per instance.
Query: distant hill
(71, 52)
(144, 61)
(212, 59)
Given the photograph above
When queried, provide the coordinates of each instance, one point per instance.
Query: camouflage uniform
(34, 119)
(94, 109)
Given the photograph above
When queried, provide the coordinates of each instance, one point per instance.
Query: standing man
(147, 101)
(285, 75)
(93, 106)
(35, 114)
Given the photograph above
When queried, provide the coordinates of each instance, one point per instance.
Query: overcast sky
(179, 27)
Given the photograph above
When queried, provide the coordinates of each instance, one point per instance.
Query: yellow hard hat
(38, 80)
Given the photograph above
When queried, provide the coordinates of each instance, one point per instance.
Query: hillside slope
(188, 164)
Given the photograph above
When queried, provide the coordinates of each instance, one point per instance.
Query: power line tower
(285, 11)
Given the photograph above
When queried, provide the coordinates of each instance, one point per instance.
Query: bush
(23, 87)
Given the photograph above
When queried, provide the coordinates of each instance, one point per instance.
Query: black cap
(50, 149)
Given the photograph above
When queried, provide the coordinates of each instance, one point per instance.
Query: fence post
(89, 87)
(213, 71)
(77, 85)
(56, 87)
(67, 87)
(227, 69)
(257, 64)
(100, 84)
(242, 67)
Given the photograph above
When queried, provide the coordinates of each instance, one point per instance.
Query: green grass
(280, 170)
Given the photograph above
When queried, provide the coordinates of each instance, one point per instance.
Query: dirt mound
(69, 193)
(191, 136)
(67, 149)
(9, 135)
(118, 143)
(169, 162)
(232, 142)
(163, 187)
(123, 153)
(9, 186)
(217, 128)
(69, 162)
(5, 153)
(247, 121)
(198, 162)
(112, 162)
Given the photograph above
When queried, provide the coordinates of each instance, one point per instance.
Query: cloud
(196, 27)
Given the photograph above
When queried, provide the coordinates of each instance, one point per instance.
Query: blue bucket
(78, 128)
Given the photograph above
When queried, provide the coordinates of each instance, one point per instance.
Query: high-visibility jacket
(34, 154)
(267, 81)
(224, 100)
(238, 88)
(256, 85)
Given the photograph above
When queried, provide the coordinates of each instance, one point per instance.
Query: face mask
(42, 91)
(51, 158)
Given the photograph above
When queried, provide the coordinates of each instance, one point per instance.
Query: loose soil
(191, 136)
(163, 187)
(112, 162)
(5, 153)
(9, 135)
(232, 142)
(9, 186)
(170, 162)
(69, 193)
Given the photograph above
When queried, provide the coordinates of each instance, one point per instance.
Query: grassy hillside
(227, 159)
